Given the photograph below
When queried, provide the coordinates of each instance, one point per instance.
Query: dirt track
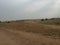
(10, 37)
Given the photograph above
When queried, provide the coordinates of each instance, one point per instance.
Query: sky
(29, 9)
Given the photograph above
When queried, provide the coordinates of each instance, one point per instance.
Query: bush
(8, 21)
(0, 21)
(42, 19)
(46, 19)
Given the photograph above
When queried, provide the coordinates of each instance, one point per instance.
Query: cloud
(24, 9)
(36, 5)
(56, 7)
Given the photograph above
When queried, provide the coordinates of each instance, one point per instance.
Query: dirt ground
(15, 37)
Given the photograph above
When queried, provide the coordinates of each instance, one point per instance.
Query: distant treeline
(46, 19)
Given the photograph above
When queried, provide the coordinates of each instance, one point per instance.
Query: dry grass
(17, 33)
(50, 30)
(11, 37)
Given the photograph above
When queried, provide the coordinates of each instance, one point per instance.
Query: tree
(0, 21)
(8, 21)
(46, 19)
(42, 19)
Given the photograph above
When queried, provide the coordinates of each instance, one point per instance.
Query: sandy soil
(15, 37)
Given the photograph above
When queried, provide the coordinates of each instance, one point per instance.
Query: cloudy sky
(29, 9)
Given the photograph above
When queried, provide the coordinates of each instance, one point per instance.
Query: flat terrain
(29, 34)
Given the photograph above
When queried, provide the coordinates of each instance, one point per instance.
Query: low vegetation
(32, 32)
(47, 27)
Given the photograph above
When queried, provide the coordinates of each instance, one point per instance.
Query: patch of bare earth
(15, 37)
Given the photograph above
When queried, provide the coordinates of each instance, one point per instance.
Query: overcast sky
(29, 9)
